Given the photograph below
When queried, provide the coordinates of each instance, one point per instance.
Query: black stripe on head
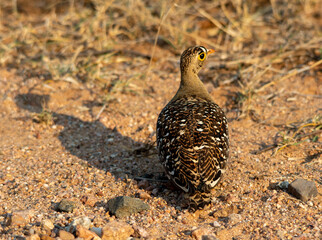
(203, 49)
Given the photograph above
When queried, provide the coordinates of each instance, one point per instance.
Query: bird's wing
(192, 138)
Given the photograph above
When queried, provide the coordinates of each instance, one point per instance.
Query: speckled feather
(192, 139)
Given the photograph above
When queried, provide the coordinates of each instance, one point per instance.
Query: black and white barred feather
(192, 135)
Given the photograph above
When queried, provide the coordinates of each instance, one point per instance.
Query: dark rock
(66, 206)
(124, 206)
(303, 189)
(208, 237)
(283, 185)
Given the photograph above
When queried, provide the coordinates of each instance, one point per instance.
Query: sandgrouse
(192, 133)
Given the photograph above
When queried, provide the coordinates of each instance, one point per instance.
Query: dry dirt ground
(59, 141)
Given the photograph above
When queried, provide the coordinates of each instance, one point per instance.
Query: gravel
(73, 159)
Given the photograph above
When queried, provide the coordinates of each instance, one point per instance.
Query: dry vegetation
(258, 42)
(119, 50)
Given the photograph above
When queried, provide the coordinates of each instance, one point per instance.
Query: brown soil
(64, 152)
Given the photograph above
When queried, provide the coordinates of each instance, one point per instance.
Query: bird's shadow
(100, 146)
(104, 148)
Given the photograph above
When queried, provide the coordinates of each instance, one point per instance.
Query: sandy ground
(78, 111)
(73, 155)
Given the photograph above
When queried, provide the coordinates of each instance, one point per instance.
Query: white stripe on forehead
(203, 49)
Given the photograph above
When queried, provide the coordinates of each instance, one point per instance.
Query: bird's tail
(199, 199)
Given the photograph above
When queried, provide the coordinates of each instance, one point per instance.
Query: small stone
(89, 200)
(283, 185)
(47, 224)
(303, 189)
(199, 233)
(225, 212)
(31, 231)
(231, 198)
(234, 218)
(184, 220)
(140, 232)
(86, 234)
(209, 237)
(64, 235)
(33, 237)
(46, 237)
(301, 237)
(144, 195)
(66, 206)
(19, 218)
(82, 221)
(216, 224)
(100, 193)
(116, 230)
(97, 230)
(124, 206)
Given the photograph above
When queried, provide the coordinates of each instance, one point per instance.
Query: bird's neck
(191, 85)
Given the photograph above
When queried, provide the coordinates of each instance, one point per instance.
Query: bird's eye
(202, 56)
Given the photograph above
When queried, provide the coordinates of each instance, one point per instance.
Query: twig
(100, 112)
(265, 149)
(216, 23)
(151, 179)
(285, 145)
(290, 74)
(309, 134)
(163, 17)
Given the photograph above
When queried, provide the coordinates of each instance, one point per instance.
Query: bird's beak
(210, 51)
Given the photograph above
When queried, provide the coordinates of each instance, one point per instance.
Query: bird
(192, 133)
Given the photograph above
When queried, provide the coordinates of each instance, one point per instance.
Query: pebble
(64, 235)
(231, 198)
(46, 237)
(283, 185)
(82, 221)
(66, 206)
(303, 189)
(33, 237)
(209, 237)
(116, 230)
(140, 232)
(19, 218)
(89, 200)
(124, 206)
(86, 234)
(225, 212)
(234, 218)
(201, 233)
(97, 230)
(216, 224)
(144, 195)
(47, 224)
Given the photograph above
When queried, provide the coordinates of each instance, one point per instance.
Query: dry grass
(297, 133)
(45, 117)
(93, 41)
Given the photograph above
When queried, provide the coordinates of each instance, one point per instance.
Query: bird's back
(192, 139)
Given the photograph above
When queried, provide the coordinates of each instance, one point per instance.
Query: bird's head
(193, 58)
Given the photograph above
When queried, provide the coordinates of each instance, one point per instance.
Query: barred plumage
(192, 134)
